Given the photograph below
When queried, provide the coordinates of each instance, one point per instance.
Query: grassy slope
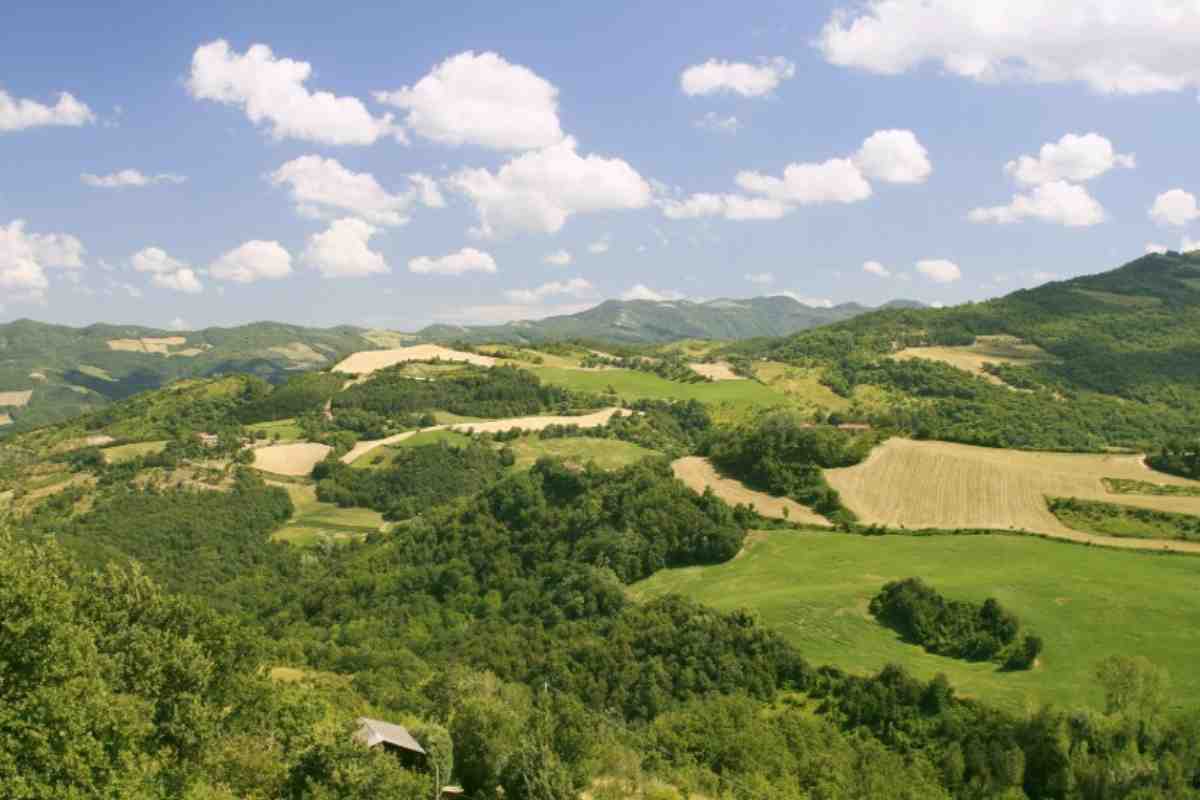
(606, 453)
(314, 520)
(1087, 603)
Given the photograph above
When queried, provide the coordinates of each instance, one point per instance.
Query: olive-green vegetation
(781, 454)
(1126, 486)
(668, 365)
(306, 393)
(1086, 603)
(1120, 374)
(959, 629)
(284, 430)
(1178, 457)
(578, 451)
(634, 385)
(314, 523)
(126, 452)
(75, 370)
(1111, 519)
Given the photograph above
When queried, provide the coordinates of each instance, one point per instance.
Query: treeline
(1177, 457)
(672, 428)
(306, 393)
(668, 365)
(955, 628)
(783, 454)
(1113, 519)
(417, 479)
(497, 392)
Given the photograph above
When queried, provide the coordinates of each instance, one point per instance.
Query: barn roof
(374, 731)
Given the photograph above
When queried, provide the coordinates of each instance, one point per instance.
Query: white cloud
(875, 268)
(1175, 207)
(712, 121)
(760, 278)
(894, 156)
(481, 100)
(128, 177)
(24, 258)
(642, 292)
(17, 114)
(837, 180)
(575, 287)
(1113, 47)
(538, 191)
(183, 280)
(1072, 158)
(559, 258)
(343, 250)
(252, 261)
(730, 206)
(1187, 245)
(1152, 247)
(165, 271)
(466, 260)
(1058, 202)
(506, 312)
(179, 324)
(322, 186)
(271, 91)
(939, 270)
(599, 247)
(748, 80)
(428, 191)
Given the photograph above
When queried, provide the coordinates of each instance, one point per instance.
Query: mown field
(1086, 602)
(314, 522)
(606, 453)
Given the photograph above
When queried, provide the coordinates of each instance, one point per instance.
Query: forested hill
(72, 370)
(665, 321)
(1133, 332)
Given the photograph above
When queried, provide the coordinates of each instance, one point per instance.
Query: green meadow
(314, 522)
(606, 453)
(636, 385)
(128, 452)
(1087, 603)
(286, 429)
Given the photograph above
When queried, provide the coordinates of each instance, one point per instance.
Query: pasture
(1087, 603)
(580, 450)
(912, 484)
(381, 457)
(314, 522)
(971, 358)
(285, 430)
(636, 385)
(802, 385)
(127, 452)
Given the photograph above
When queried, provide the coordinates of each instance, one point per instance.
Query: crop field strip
(915, 485)
(699, 474)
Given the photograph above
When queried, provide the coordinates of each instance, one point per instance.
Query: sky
(393, 165)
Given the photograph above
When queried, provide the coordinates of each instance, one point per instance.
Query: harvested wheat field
(297, 458)
(986, 349)
(148, 344)
(368, 361)
(593, 420)
(720, 371)
(699, 475)
(15, 399)
(911, 484)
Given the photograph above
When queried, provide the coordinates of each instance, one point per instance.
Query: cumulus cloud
(271, 91)
(748, 80)
(540, 190)
(323, 188)
(481, 99)
(760, 278)
(128, 178)
(1175, 207)
(17, 114)
(1112, 47)
(939, 270)
(343, 250)
(712, 121)
(165, 271)
(179, 324)
(1187, 245)
(640, 291)
(1058, 202)
(1153, 247)
(1072, 158)
(25, 257)
(428, 191)
(559, 258)
(875, 268)
(599, 247)
(252, 261)
(893, 156)
(466, 260)
(575, 287)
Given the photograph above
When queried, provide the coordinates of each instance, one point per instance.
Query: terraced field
(1086, 602)
(911, 484)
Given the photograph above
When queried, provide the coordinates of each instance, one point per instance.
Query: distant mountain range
(52, 372)
(665, 321)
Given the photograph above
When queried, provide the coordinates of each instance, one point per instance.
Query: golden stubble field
(912, 484)
(367, 361)
(699, 474)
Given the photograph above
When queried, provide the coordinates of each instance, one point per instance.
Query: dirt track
(699, 474)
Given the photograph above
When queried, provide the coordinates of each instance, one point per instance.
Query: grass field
(383, 456)
(802, 385)
(1113, 519)
(314, 522)
(636, 385)
(912, 484)
(994, 349)
(606, 453)
(1086, 603)
(128, 452)
(286, 429)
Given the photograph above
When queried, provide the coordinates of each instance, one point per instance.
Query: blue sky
(542, 128)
